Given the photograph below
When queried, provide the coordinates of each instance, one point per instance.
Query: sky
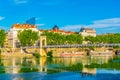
(69, 15)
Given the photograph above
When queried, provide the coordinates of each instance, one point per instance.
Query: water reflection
(11, 65)
(2, 69)
(16, 65)
(84, 66)
(19, 65)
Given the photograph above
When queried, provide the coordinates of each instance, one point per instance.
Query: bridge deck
(76, 45)
(80, 45)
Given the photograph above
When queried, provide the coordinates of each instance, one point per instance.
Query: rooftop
(87, 29)
(55, 27)
(23, 26)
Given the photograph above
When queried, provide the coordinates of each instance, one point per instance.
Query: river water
(77, 68)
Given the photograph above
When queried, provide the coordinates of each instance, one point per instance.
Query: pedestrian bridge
(43, 44)
(80, 45)
(75, 45)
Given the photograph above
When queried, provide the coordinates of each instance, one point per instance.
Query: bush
(37, 55)
(50, 54)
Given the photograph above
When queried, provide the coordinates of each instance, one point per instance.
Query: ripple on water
(59, 76)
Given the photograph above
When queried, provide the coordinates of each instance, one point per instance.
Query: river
(74, 68)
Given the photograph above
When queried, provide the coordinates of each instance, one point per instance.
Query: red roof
(41, 30)
(23, 26)
(69, 32)
(57, 31)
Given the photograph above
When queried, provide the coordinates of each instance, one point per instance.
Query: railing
(74, 45)
(80, 45)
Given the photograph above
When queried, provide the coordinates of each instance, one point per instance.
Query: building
(87, 32)
(56, 29)
(31, 21)
(12, 34)
(6, 40)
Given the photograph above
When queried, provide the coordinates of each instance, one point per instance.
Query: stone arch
(42, 41)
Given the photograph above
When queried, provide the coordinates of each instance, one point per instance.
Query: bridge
(80, 45)
(43, 45)
(75, 45)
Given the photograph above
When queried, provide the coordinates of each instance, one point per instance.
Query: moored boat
(73, 54)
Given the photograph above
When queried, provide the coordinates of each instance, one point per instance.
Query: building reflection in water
(88, 71)
(12, 65)
(16, 65)
(42, 63)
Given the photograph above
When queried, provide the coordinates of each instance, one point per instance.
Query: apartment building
(12, 33)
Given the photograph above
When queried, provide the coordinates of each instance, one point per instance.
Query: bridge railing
(80, 45)
(74, 45)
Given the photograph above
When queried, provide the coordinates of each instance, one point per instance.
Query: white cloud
(1, 18)
(111, 28)
(72, 27)
(105, 23)
(20, 1)
(40, 24)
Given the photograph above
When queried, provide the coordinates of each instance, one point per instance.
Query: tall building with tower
(31, 21)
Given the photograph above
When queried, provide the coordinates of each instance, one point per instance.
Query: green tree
(2, 37)
(28, 37)
(74, 39)
(54, 38)
(104, 38)
(57, 38)
(91, 39)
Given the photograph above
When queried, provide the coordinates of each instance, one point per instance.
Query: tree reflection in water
(28, 65)
(84, 66)
(2, 69)
(113, 63)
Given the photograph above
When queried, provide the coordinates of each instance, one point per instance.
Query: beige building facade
(87, 32)
(12, 33)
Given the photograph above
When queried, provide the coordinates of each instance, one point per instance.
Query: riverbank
(61, 52)
(16, 55)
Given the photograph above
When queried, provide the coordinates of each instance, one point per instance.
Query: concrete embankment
(15, 55)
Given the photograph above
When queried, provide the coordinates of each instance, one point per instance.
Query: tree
(91, 39)
(104, 38)
(74, 39)
(2, 37)
(57, 38)
(28, 37)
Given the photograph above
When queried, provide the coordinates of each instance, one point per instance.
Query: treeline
(29, 37)
(56, 38)
(104, 38)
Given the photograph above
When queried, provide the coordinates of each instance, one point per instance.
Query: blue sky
(102, 15)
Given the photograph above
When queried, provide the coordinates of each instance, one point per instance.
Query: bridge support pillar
(42, 43)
